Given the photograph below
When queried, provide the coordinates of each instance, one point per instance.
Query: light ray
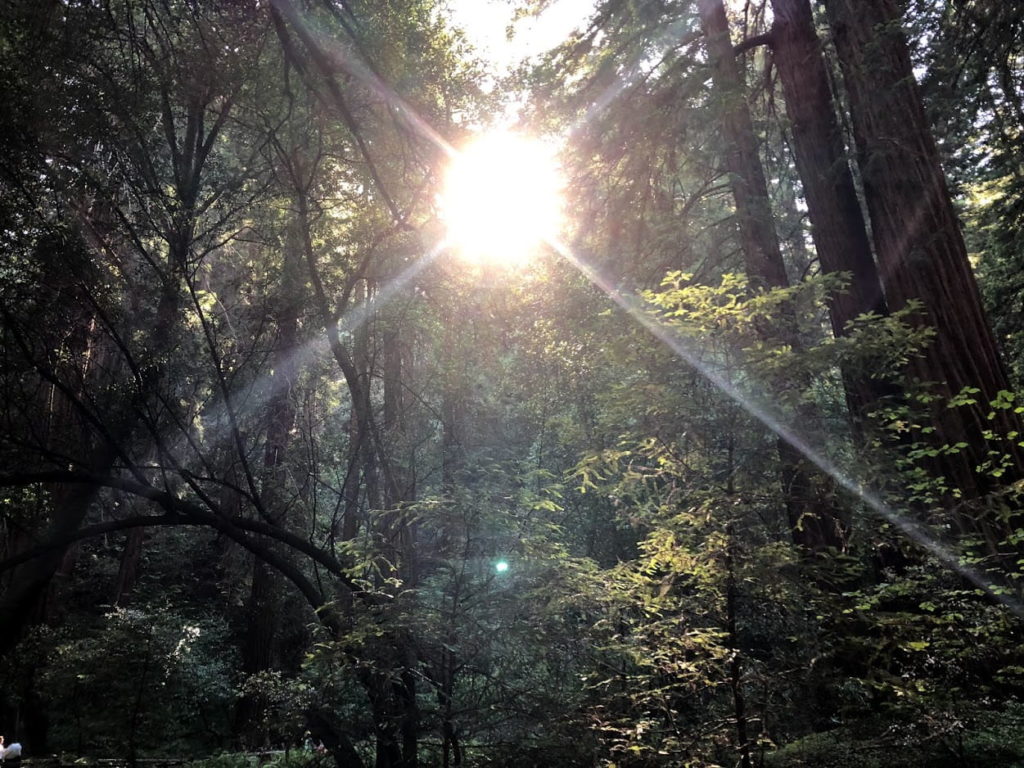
(265, 386)
(915, 531)
(356, 67)
(676, 34)
(635, 308)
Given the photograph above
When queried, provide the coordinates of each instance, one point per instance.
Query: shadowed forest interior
(646, 401)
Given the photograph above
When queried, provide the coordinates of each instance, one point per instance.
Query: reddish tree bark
(128, 570)
(815, 523)
(758, 239)
(920, 248)
(837, 221)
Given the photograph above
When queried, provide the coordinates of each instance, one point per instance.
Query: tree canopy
(651, 403)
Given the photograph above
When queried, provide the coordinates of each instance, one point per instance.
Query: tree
(815, 522)
(920, 248)
(972, 92)
(434, 512)
(837, 222)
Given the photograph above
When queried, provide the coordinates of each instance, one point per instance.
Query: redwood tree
(837, 222)
(814, 522)
(917, 238)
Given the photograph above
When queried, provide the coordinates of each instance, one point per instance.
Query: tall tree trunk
(395, 720)
(264, 606)
(452, 451)
(395, 494)
(323, 728)
(387, 746)
(405, 693)
(394, 395)
(370, 450)
(353, 471)
(758, 239)
(920, 248)
(22, 600)
(838, 227)
(735, 657)
(393, 704)
(128, 570)
(815, 523)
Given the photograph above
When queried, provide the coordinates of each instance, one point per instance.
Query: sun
(502, 198)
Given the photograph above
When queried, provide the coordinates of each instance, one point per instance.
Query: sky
(486, 22)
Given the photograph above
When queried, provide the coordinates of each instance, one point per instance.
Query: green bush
(992, 740)
(226, 760)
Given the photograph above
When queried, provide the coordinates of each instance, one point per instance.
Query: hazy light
(502, 198)
(767, 415)
(635, 307)
(486, 25)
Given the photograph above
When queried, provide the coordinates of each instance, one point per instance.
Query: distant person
(12, 754)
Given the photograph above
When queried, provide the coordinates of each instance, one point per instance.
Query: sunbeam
(671, 38)
(351, 64)
(676, 34)
(915, 531)
(265, 386)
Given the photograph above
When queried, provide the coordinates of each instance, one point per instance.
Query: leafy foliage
(266, 444)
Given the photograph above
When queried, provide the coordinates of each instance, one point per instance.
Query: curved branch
(183, 512)
(282, 8)
(88, 532)
(743, 46)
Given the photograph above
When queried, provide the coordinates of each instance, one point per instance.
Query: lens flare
(502, 198)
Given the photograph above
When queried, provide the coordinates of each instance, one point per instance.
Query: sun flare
(502, 198)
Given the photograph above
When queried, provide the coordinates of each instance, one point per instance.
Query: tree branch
(283, 8)
(184, 512)
(766, 38)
